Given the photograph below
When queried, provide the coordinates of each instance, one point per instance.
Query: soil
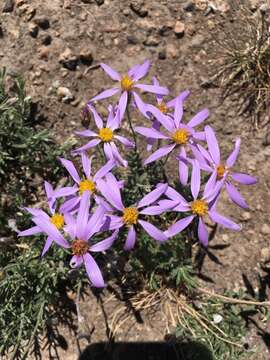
(60, 43)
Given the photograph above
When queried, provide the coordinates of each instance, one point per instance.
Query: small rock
(68, 59)
(164, 30)
(265, 230)
(217, 319)
(151, 41)
(197, 41)
(265, 254)
(126, 12)
(8, 6)
(26, 11)
(246, 216)
(43, 52)
(138, 7)
(46, 39)
(100, 2)
(179, 29)
(132, 39)
(42, 22)
(172, 51)
(64, 94)
(86, 57)
(189, 6)
(33, 29)
(264, 8)
(162, 54)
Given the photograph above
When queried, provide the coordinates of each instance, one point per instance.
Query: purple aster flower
(53, 195)
(86, 183)
(130, 216)
(162, 107)
(199, 207)
(49, 224)
(127, 84)
(210, 161)
(81, 230)
(179, 135)
(106, 136)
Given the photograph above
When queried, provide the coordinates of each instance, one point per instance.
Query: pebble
(46, 39)
(246, 216)
(189, 6)
(132, 39)
(179, 29)
(265, 254)
(33, 29)
(8, 6)
(27, 11)
(172, 51)
(164, 30)
(126, 12)
(43, 52)
(151, 41)
(68, 59)
(162, 54)
(86, 57)
(138, 7)
(42, 22)
(217, 318)
(64, 94)
(264, 8)
(265, 230)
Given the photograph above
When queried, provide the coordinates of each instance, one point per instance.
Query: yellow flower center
(130, 215)
(180, 137)
(106, 134)
(199, 207)
(126, 83)
(220, 171)
(162, 107)
(57, 220)
(87, 185)
(79, 247)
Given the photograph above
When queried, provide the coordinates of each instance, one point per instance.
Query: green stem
(130, 124)
(39, 318)
(101, 152)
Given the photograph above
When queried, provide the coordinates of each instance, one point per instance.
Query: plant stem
(39, 318)
(130, 124)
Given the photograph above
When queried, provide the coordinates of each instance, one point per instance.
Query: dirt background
(56, 46)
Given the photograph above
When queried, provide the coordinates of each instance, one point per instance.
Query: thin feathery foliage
(245, 54)
(30, 289)
(27, 153)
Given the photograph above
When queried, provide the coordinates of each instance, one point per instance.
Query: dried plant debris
(244, 51)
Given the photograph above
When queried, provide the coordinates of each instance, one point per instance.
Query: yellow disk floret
(57, 220)
(180, 137)
(199, 207)
(162, 107)
(126, 83)
(130, 215)
(220, 171)
(87, 185)
(106, 134)
(79, 247)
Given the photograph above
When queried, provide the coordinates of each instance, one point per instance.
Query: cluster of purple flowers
(94, 205)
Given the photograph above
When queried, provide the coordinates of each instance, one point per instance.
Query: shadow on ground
(147, 351)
